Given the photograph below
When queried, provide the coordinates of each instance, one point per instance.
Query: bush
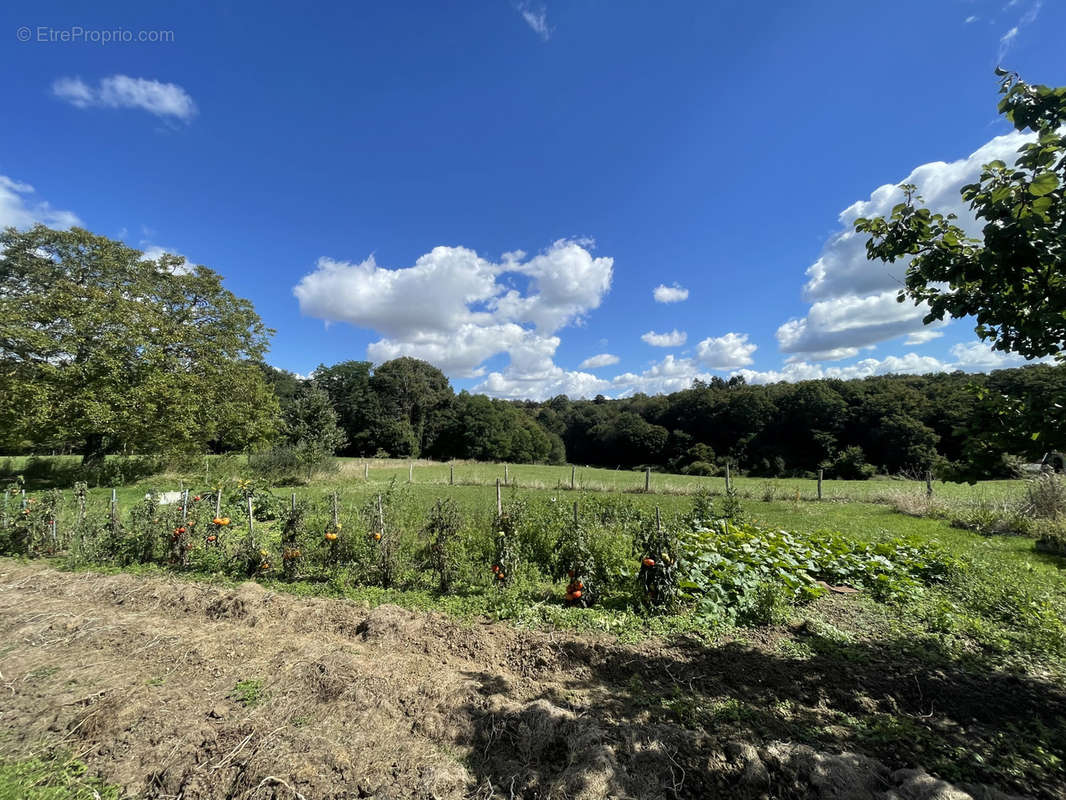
(703, 468)
(850, 465)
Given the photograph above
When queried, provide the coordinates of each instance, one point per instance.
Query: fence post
(366, 470)
(647, 479)
(728, 481)
(928, 483)
(573, 475)
(820, 484)
(506, 479)
(499, 500)
(451, 474)
(411, 472)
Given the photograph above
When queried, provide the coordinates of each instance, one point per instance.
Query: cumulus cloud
(454, 309)
(968, 357)
(536, 17)
(674, 338)
(669, 294)
(122, 91)
(853, 300)
(602, 360)
(669, 375)
(726, 352)
(18, 209)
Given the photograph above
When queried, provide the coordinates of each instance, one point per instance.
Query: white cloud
(970, 19)
(675, 338)
(18, 209)
(726, 352)
(454, 309)
(980, 357)
(923, 336)
(853, 300)
(122, 91)
(1007, 40)
(536, 18)
(669, 375)
(968, 357)
(602, 360)
(911, 363)
(670, 294)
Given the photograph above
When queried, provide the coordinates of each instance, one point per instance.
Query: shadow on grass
(660, 723)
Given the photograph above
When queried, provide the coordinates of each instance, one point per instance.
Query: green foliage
(659, 571)
(311, 430)
(1012, 279)
(748, 574)
(442, 531)
(104, 350)
(850, 465)
(53, 778)
(248, 692)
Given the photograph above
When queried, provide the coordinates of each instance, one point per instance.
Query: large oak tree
(105, 350)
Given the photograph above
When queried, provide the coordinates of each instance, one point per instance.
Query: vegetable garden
(703, 561)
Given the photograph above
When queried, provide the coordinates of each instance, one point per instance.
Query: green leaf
(1044, 183)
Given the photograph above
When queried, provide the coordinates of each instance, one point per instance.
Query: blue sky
(500, 187)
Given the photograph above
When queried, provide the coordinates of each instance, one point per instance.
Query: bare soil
(135, 675)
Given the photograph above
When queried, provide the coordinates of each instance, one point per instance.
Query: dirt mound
(192, 691)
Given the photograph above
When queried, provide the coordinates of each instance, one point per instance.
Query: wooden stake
(820, 484)
(251, 522)
(114, 506)
(218, 502)
(575, 514)
(573, 475)
(499, 500)
(293, 506)
(658, 521)
(505, 477)
(411, 472)
(928, 483)
(728, 481)
(184, 505)
(381, 518)
(451, 474)
(366, 470)
(647, 479)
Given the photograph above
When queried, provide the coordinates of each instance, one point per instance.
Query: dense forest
(887, 424)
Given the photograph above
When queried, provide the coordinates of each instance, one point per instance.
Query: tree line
(888, 424)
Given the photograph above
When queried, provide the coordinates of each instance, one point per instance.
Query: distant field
(527, 476)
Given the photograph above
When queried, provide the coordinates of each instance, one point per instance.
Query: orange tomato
(648, 562)
(576, 594)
